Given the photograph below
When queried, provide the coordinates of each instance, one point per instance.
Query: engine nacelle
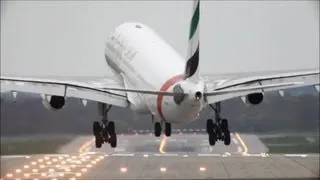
(254, 98)
(53, 102)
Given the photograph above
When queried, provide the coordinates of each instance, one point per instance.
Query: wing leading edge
(228, 89)
(90, 90)
(101, 90)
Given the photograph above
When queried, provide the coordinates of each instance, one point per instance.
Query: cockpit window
(138, 26)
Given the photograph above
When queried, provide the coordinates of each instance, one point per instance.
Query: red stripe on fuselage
(165, 87)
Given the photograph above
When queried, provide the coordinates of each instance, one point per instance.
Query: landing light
(163, 169)
(202, 169)
(123, 169)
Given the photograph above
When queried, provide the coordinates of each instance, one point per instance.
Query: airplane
(150, 77)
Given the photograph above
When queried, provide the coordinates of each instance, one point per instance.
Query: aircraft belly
(185, 112)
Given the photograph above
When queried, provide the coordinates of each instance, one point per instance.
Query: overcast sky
(68, 38)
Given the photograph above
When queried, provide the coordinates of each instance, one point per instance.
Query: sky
(67, 38)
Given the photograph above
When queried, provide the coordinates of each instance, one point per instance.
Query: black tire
(227, 138)
(168, 129)
(113, 140)
(224, 125)
(98, 140)
(96, 128)
(212, 139)
(157, 129)
(209, 126)
(111, 128)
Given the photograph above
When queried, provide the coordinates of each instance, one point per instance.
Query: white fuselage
(141, 59)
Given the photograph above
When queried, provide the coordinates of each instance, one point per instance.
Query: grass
(23, 146)
(296, 144)
(295, 149)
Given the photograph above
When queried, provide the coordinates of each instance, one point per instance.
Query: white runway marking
(239, 149)
(166, 155)
(256, 155)
(209, 155)
(13, 156)
(27, 156)
(296, 155)
(235, 140)
(122, 154)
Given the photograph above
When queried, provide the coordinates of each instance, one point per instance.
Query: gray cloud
(68, 38)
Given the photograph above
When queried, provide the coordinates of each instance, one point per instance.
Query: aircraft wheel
(209, 126)
(113, 140)
(111, 128)
(224, 125)
(168, 129)
(98, 141)
(212, 139)
(96, 128)
(157, 129)
(227, 138)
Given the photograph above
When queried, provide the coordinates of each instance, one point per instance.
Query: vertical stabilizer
(192, 65)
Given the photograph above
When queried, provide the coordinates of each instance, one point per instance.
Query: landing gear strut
(218, 130)
(104, 132)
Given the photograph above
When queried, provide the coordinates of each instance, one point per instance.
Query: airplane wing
(87, 89)
(223, 87)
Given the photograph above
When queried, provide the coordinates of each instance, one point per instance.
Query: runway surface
(181, 156)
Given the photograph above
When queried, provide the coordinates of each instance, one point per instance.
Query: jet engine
(253, 99)
(53, 102)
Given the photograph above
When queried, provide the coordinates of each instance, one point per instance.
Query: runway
(181, 156)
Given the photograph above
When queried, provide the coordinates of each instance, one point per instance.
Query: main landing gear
(158, 128)
(104, 132)
(219, 129)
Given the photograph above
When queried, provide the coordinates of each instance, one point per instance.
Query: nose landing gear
(218, 130)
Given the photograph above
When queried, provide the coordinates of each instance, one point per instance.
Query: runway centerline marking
(242, 143)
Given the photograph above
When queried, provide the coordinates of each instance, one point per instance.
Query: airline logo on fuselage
(120, 47)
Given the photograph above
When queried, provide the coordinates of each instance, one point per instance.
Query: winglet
(191, 69)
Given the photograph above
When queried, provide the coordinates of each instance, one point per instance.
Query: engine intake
(198, 95)
(54, 103)
(255, 98)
